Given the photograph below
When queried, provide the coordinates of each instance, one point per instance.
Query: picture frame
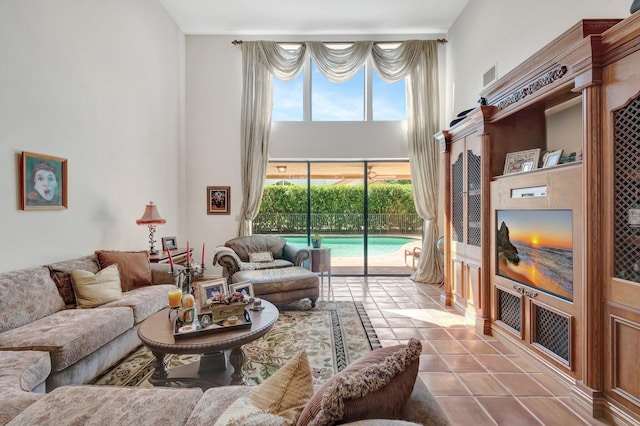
(245, 287)
(514, 161)
(552, 158)
(527, 167)
(170, 243)
(207, 289)
(43, 182)
(218, 199)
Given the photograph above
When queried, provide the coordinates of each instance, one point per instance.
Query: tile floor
(476, 379)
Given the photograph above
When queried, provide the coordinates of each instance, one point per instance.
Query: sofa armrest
(161, 274)
(295, 254)
(22, 374)
(228, 259)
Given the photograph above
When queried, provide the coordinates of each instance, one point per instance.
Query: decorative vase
(316, 243)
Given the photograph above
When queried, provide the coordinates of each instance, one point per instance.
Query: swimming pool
(353, 246)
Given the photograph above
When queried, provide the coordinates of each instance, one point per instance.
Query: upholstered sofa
(38, 312)
(401, 398)
(273, 265)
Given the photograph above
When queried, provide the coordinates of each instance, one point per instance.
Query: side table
(320, 262)
(178, 255)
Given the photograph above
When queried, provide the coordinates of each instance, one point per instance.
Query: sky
(552, 228)
(338, 101)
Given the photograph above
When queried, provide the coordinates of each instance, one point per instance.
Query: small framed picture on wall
(218, 199)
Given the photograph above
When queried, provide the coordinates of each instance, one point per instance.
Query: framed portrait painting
(43, 182)
(521, 161)
(218, 199)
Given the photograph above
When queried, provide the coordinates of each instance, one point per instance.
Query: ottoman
(282, 285)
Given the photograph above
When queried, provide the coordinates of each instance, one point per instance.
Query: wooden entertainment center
(571, 303)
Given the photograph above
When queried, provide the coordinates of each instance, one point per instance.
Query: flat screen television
(535, 248)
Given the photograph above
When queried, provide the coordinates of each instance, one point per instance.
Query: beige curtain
(260, 60)
(415, 60)
(422, 124)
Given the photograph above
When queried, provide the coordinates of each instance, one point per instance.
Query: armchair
(236, 253)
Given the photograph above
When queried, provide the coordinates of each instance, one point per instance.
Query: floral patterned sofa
(38, 313)
(385, 382)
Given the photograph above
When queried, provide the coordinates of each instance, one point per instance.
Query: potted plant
(316, 240)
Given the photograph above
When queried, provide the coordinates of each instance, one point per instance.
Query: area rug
(333, 334)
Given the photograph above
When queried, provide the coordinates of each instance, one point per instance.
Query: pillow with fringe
(376, 386)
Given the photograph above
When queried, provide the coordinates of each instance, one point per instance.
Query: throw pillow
(61, 274)
(261, 257)
(96, 289)
(376, 386)
(135, 270)
(282, 396)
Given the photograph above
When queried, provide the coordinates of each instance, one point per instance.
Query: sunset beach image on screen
(535, 248)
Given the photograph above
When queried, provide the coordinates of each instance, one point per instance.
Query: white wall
(214, 88)
(505, 33)
(101, 84)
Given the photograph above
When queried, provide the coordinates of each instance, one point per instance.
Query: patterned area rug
(333, 334)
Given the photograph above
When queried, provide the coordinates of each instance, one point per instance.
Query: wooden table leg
(160, 372)
(236, 358)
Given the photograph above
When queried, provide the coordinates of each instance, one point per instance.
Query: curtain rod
(439, 41)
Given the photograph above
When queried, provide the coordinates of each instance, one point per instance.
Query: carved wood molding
(534, 86)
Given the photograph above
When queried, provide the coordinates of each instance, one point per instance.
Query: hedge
(383, 198)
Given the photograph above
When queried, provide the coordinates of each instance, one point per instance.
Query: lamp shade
(151, 216)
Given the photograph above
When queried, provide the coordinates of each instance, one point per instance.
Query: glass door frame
(363, 212)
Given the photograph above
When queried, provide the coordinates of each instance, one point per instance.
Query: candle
(175, 296)
(188, 254)
(202, 255)
(170, 258)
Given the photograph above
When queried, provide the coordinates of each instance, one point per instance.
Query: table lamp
(151, 218)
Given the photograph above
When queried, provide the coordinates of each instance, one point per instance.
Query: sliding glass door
(363, 211)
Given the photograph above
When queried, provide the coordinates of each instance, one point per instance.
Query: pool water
(354, 246)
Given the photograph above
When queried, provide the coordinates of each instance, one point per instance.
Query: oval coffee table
(156, 332)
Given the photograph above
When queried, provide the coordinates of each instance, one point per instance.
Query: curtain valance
(339, 64)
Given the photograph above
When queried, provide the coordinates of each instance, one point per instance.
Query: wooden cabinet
(620, 188)
(465, 218)
(533, 305)
(472, 158)
(587, 331)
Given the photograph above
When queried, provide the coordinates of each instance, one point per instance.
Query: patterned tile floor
(476, 379)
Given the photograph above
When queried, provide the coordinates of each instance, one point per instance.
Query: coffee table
(156, 332)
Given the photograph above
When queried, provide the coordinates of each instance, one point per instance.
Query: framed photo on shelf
(515, 161)
(169, 243)
(43, 182)
(552, 158)
(218, 199)
(208, 289)
(245, 287)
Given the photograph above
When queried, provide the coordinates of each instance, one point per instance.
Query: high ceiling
(313, 17)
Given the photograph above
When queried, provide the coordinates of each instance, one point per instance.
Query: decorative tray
(185, 331)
